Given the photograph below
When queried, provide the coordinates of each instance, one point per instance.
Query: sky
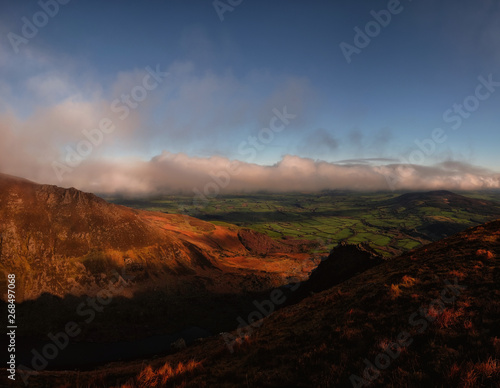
(218, 96)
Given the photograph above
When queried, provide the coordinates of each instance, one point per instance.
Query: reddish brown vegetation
(164, 375)
(262, 244)
(60, 241)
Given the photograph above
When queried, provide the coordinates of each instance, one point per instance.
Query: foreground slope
(428, 318)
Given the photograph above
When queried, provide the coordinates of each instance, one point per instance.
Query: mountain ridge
(51, 231)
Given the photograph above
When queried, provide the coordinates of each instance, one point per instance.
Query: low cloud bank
(208, 177)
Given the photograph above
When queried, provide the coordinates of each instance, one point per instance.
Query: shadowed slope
(343, 262)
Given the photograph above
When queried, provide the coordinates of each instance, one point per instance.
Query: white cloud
(173, 173)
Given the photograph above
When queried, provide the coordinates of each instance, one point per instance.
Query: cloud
(196, 44)
(170, 173)
(216, 111)
(193, 110)
(46, 101)
(382, 138)
(29, 145)
(367, 161)
(469, 28)
(52, 86)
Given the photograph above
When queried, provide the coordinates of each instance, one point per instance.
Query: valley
(391, 223)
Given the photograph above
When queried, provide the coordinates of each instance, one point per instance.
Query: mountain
(64, 241)
(164, 272)
(427, 318)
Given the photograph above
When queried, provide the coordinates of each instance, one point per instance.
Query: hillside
(440, 303)
(65, 245)
(63, 239)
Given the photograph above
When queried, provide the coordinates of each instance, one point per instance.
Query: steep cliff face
(64, 241)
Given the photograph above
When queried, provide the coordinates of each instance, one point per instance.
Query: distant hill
(429, 318)
(445, 200)
(442, 212)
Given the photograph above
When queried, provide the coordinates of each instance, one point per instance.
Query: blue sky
(226, 78)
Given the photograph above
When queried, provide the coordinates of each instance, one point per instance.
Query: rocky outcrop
(344, 262)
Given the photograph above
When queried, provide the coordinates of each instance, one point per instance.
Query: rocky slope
(64, 241)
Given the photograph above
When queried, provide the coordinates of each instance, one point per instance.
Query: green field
(383, 221)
